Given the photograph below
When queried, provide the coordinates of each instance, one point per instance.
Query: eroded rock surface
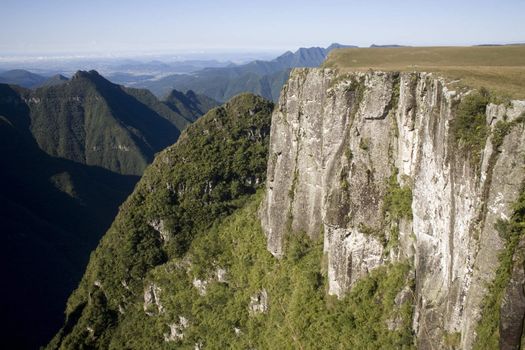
(259, 302)
(336, 140)
(152, 303)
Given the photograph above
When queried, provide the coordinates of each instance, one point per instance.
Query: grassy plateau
(500, 69)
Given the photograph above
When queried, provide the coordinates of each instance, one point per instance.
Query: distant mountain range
(218, 80)
(157, 66)
(264, 78)
(22, 78)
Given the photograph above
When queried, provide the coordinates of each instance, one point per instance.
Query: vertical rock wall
(336, 140)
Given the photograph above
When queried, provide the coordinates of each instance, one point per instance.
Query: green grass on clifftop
(498, 68)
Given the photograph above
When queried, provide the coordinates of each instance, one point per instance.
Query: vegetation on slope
(298, 313)
(500, 69)
(93, 121)
(215, 165)
(397, 206)
(398, 200)
(206, 279)
(512, 231)
(469, 128)
(503, 128)
(54, 212)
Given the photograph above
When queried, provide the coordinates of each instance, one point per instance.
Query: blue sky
(51, 26)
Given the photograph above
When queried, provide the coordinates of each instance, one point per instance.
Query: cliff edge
(391, 167)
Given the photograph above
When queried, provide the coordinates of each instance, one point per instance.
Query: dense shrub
(300, 314)
(469, 128)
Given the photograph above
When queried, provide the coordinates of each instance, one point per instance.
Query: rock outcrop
(340, 142)
(152, 304)
(259, 302)
(176, 330)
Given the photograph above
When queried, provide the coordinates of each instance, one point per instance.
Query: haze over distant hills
(22, 77)
(264, 78)
(139, 64)
(219, 80)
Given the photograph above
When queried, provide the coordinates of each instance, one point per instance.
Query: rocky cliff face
(347, 150)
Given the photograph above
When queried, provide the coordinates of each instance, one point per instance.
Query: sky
(118, 26)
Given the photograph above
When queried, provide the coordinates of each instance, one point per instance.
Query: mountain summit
(90, 120)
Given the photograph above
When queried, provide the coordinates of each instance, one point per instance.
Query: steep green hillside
(185, 263)
(213, 168)
(229, 292)
(95, 122)
(92, 121)
(54, 211)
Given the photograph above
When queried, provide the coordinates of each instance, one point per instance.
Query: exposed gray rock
(377, 95)
(259, 302)
(177, 330)
(336, 140)
(152, 304)
(200, 285)
(222, 275)
(352, 254)
(159, 226)
(502, 186)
